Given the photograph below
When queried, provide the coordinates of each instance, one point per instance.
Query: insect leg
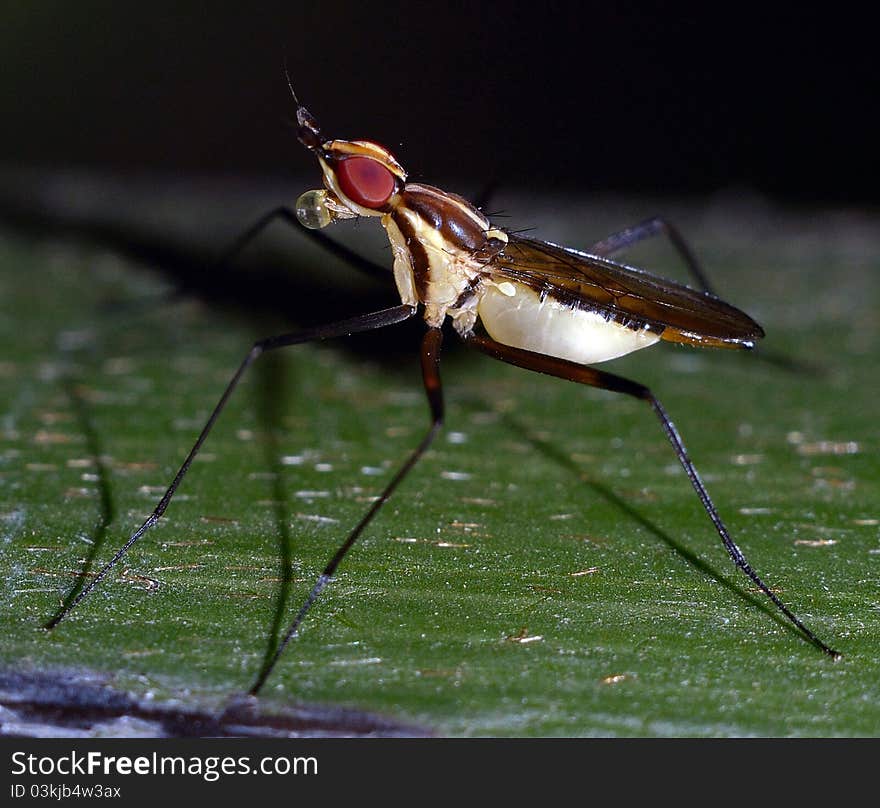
(584, 374)
(366, 322)
(624, 239)
(287, 216)
(659, 226)
(433, 388)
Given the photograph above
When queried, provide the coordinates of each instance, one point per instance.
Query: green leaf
(545, 570)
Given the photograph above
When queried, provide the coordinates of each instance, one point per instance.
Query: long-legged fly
(534, 304)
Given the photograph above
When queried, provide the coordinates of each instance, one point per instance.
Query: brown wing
(625, 294)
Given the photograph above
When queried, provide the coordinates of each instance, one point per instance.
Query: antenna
(290, 84)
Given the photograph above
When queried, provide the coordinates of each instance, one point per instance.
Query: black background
(587, 97)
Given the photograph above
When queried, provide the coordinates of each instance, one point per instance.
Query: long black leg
(125, 308)
(606, 381)
(366, 322)
(287, 216)
(656, 226)
(431, 377)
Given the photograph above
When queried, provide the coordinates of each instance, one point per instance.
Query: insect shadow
(269, 377)
(269, 415)
(552, 451)
(106, 509)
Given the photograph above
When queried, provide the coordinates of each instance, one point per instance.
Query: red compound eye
(364, 181)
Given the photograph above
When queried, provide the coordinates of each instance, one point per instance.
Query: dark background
(590, 97)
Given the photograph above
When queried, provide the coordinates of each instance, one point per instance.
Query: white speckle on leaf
(829, 447)
(322, 520)
(366, 661)
(746, 459)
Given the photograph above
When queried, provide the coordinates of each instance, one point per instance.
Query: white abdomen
(514, 314)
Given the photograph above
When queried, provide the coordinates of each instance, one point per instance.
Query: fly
(530, 303)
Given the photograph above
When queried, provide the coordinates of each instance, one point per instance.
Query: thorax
(441, 244)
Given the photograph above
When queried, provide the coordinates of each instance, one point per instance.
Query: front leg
(354, 325)
(287, 216)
